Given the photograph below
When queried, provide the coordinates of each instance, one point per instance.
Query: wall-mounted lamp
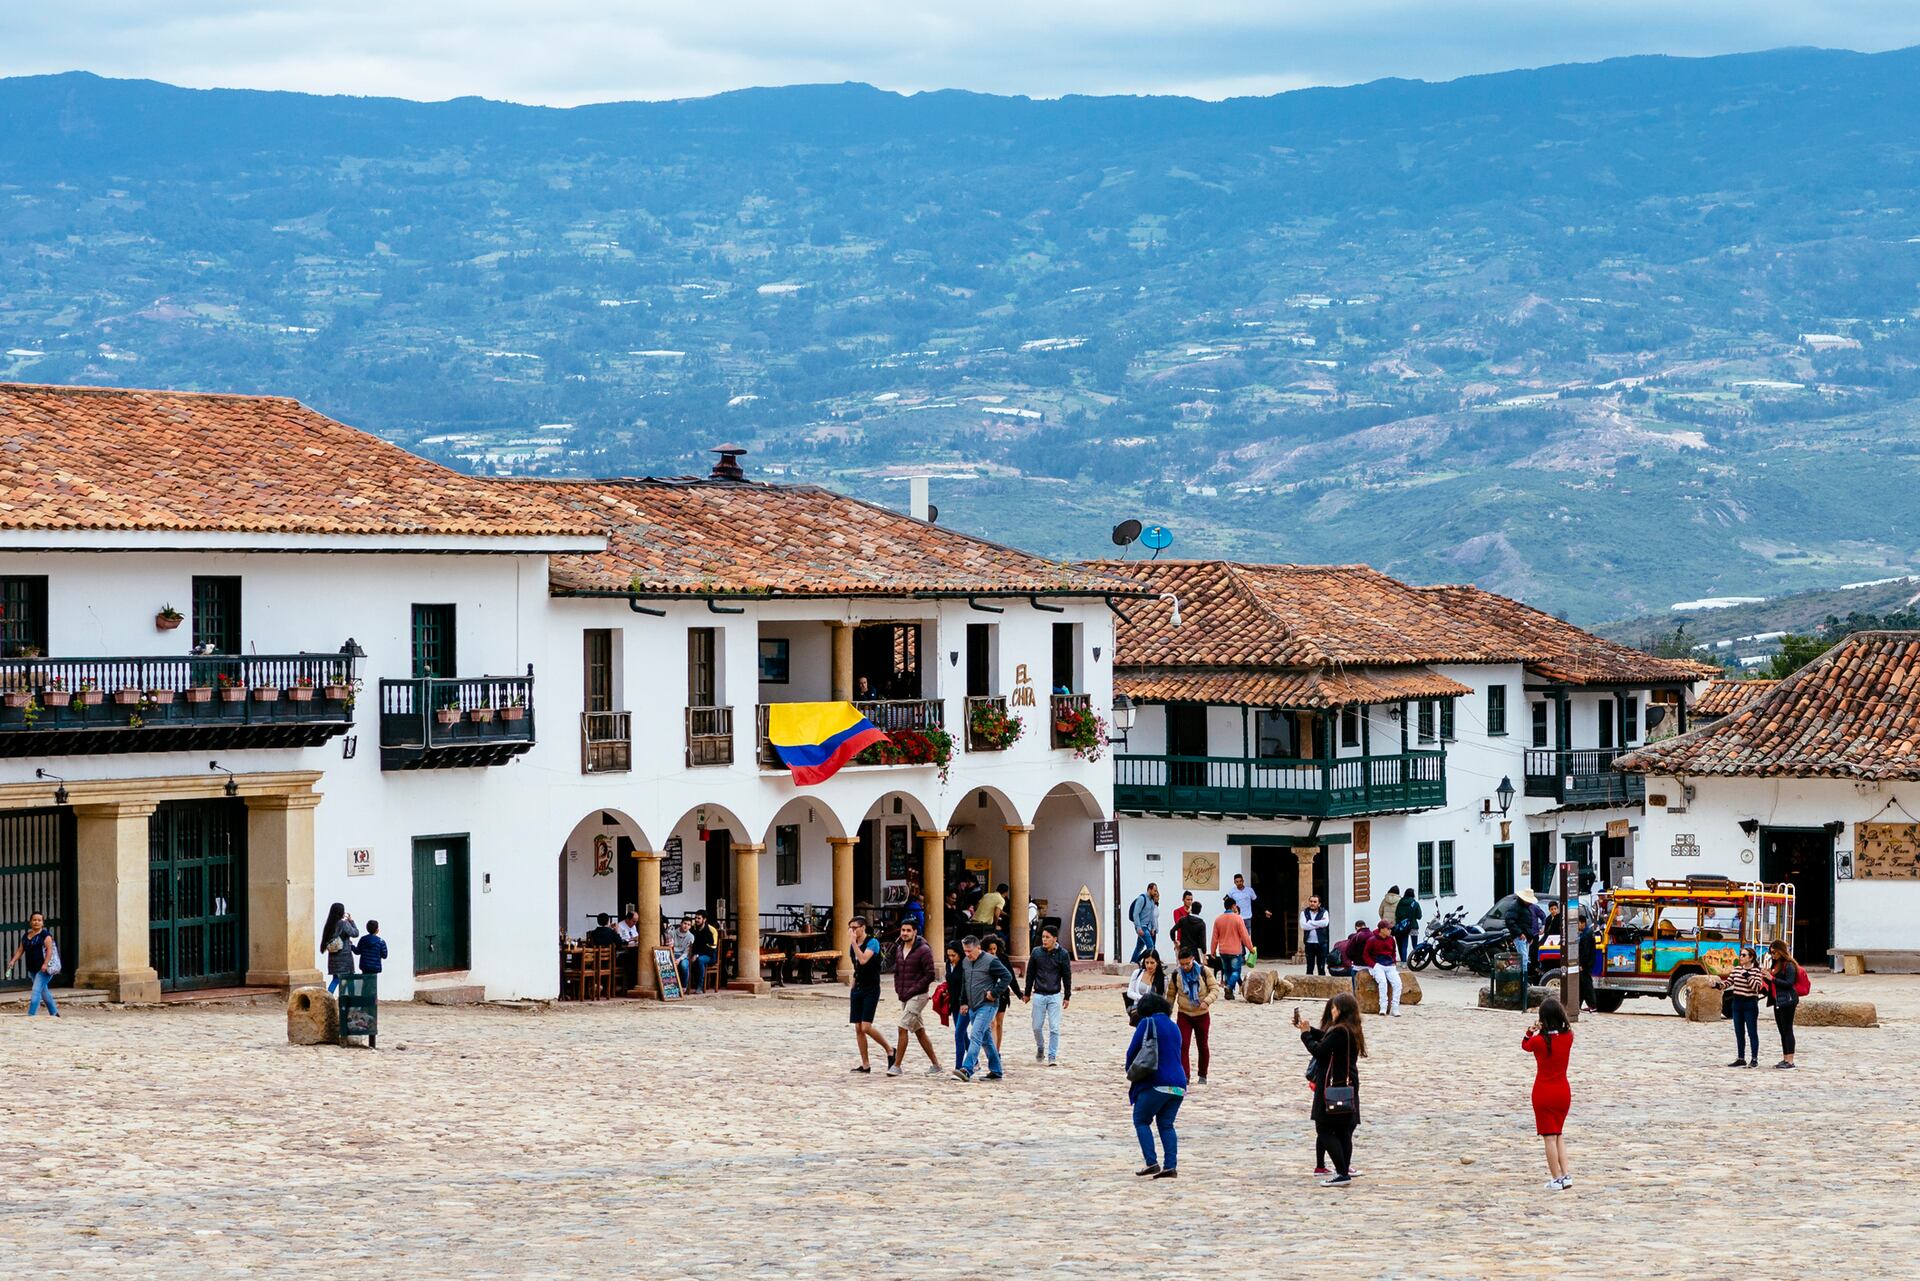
(59, 793)
(1395, 711)
(233, 784)
(1504, 793)
(953, 658)
(1096, 653)
(1750, 825)
(1173, 600)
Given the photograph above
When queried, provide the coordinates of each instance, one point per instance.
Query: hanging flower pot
(88, 697)
(334, 693)
(233, 694)
(159, 697)
(55, 697)
(481, 715)
(128, 697)
(300, 693)
(167, 619)
(19, 697)
(200, 693)
(448, 716)
(266, 693)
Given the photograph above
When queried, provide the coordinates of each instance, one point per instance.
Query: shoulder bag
(1145, 1064)
(1343, 1100)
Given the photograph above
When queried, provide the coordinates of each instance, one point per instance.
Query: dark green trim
(1329, 838)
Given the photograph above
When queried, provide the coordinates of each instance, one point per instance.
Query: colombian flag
(816, 739)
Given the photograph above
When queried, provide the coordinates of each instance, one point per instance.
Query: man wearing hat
(1518, 918)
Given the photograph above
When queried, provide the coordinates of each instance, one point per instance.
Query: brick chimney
(728, 468)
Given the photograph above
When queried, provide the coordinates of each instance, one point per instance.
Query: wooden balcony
(984, 703)
(709, 736)
(1348, 785)
(606, 742)
(1582, 776)
(1065, 705)
(453, 723)
(97, 706)
(890, 715)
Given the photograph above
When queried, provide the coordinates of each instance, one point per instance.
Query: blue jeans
(961, 1023)
(1046, 1022)
(42, 993)
(697, 973)
(1143, 943)
(1156, 1109)
(1746, 1026)
(1230, 967)
(980, 1034)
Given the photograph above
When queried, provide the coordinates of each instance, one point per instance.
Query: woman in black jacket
(1337, 1046)
(1785, 1000)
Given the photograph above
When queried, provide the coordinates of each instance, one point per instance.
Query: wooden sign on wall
(1200, 870)
(1362, 862)
(1886, 851)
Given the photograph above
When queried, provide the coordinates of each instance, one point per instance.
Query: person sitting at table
(628, 927)
(603, 934)
(679, 937)
(702, 953)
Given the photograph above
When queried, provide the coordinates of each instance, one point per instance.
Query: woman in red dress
(1550, 1041)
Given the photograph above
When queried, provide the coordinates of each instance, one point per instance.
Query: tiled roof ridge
(89, 389)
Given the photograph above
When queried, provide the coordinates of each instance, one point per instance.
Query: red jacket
(1382, 951)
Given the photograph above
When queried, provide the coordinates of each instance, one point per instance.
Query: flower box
(128, 697)
(513, 713)
(301, 693)
(335, 693)
(448, 716)
(233, 694)
(19, 697)
(266, 693)
(481, 715)
(89, 697)
(55, 697)
(200, 693)
(159, 697)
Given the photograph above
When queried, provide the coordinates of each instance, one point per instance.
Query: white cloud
(564, 52)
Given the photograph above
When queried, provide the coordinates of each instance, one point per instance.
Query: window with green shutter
(1496, 711)
(1425, 850)
(216, 613)
(1426, 721)
(433, 647)
(1446, 720)
(1446, 867)
(23, 615)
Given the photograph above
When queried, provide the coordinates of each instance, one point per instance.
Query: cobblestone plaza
(726, 1137)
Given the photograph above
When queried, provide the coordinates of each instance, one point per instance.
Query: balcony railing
(890, 715)
(1064, 705)
(984, 703)
(83, 706)
(1274, 788)
(606, 742)
(443, 723)
(709, 736)
(1582, 776)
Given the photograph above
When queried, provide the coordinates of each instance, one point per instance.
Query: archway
(597, 869)
(1066, 860)
(988, 844)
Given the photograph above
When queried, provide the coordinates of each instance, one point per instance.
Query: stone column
(1019, 889)
(933, 857)
(646, 978)
(842, 901)
(842, 662)
(111, 867)
(282, 932)
(746, 898)
(1304, 856)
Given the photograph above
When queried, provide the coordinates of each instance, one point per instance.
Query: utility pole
(1570, 958)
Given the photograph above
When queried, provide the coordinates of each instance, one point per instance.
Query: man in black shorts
(864, 1000)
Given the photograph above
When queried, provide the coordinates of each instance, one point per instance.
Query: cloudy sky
(563, 52)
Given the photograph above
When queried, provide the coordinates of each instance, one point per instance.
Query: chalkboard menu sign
(1086, 927)
(673, 867)
(669, 976)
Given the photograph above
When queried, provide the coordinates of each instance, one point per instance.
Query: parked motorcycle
(1460, 944)
(1425, 950)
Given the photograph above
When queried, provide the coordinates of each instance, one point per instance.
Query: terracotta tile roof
(1307, 616)
(1724, 697)
(100, 458)
(1854, 712)
(693, 537)
(1253, 687)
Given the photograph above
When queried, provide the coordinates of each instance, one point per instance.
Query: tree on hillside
(1677, 643)
(1797, 651)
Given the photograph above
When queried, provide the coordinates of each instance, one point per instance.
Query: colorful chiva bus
(1658, 936)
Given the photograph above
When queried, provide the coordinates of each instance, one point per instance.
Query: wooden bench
(776, 959)
(804, 963)
(1875, 960)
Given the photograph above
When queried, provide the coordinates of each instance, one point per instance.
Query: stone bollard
(1703, 1000)
(313, 1017)
(1317, 987)
(1826, 1013)
(1259, 988)
(1535, 996)
(1282, 987)
(1368, 993)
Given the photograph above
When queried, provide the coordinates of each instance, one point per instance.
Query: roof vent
(728, 468)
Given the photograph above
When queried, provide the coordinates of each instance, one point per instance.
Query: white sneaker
(1553, 1185)
(894, 1070)
(936, 1070)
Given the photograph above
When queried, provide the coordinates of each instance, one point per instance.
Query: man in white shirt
(628, 927)
(1313, 935)
(1243, 895)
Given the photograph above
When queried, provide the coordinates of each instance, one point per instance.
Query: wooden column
(843, 847)
(1019, 889)
(282, 934)
(842, 662)
(646, 976)
(933, 858)
(111, 867)
(1303, 856)
(746, 897)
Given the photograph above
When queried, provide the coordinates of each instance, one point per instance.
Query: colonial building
(1722, 697)
(1814, 783)
(255, 661)
(1331, 730)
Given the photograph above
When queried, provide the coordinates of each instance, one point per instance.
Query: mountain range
(1602, 336)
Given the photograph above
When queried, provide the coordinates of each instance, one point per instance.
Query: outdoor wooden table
(793, 943)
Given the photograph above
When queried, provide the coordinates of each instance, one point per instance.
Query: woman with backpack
(1337, 1046)
(1157, 1084)
(42, 956)
(1744, 984)
(336, 942)
(1790, 983)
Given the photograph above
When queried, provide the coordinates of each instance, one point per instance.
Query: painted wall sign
(360, 862)
(1684, 846)
(603, 855)
(1620, 827)
(1886, 851)
(673, 867)
(1022, 695)
(1200, 870)
(1363, 838)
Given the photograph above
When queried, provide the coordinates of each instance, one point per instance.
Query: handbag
(1342, 1100)
(1145, 1064)
(52, 963)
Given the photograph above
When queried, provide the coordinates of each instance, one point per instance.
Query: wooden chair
(713, 980)
(598, 980)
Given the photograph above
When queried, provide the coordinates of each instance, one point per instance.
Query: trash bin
(359, 998)
(1509, 987)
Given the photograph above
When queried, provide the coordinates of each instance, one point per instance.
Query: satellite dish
(1158, 537)
(1125, 532)
(933, 514)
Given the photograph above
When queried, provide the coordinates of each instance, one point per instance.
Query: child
(372, 949)
(1550, 1041)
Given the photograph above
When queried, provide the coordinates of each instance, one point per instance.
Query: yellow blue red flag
(815, 739)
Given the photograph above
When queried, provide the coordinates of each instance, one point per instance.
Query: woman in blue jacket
(1156, 1099)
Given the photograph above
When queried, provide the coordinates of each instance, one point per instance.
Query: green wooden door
(216, 614)
(433, 649)
(196, 893)
(37, 875)
(441, 909)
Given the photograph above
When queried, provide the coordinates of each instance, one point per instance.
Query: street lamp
(1505, 794)
(1122, 714)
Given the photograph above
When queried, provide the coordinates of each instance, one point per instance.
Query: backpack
(52, 964)
(1133, 913)
(1802, 981)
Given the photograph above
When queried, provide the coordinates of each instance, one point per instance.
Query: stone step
(451, 994)
(62, 996)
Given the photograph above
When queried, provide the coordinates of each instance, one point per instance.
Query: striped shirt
(1745, 980)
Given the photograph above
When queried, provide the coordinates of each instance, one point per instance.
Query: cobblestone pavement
(725, 1137)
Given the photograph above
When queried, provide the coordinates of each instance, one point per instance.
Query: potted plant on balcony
(1084, 731)
(159, 697)
(449, 712)
(19, 697)
(994, 728)
(912, 747)
(336, 690)
(201, 691)
(129, 696)
(266, 693)
(88, 694)
(168, 618)
(301, 691)
(481, 715)
(515, 708)
(55, 693)
(232, 688)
